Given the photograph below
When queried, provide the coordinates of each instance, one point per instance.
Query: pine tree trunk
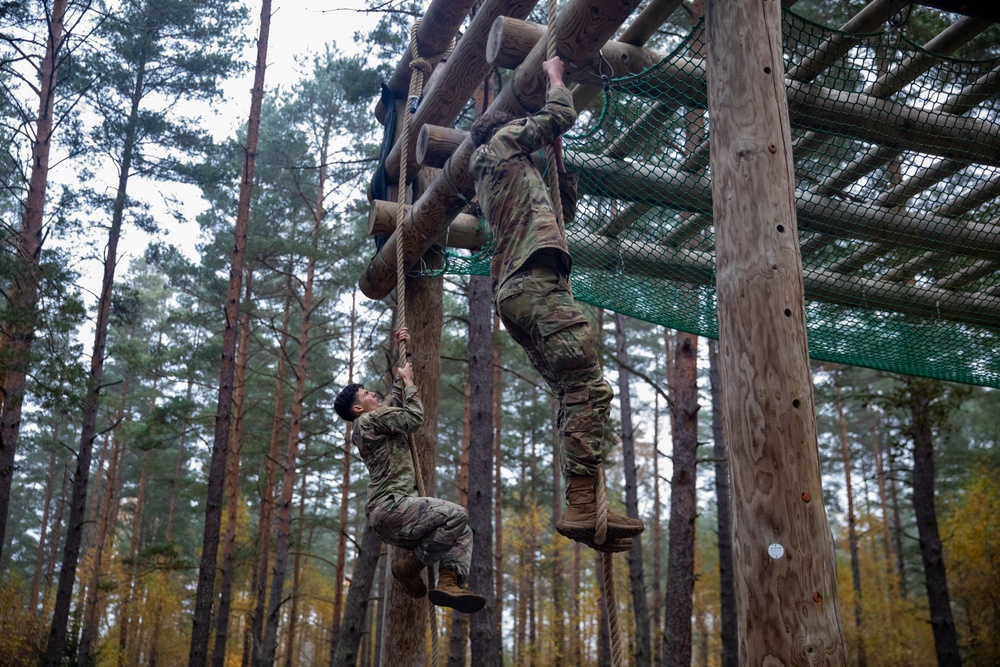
(657, 534)
(852, 531)
(345, 496)
(883, 499)
(50, 567)
(50, 480)
(164, 577)
(91, 401)
(104, 526)
(497, 483)
(18, 327)
(723, 502)
(576, 644)
(233, 478)
(635, 567)
(401, 646)
(354, 624)
(897, 528)
(557, 584)
(945, 639)
(459, 621)
(379, 620)
(683, 504)
(131, 568)
(281, 548)
(255, 628)
(202, 617)
(291, 655)
(783, 550)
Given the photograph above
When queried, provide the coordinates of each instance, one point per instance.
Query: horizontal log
(448, 92)
(466, 231)
(861, 116)
(438, 26)
(597, 251)
(442, 201)
(902, 126)
(604, 176)
(511, 39)
(837, 44)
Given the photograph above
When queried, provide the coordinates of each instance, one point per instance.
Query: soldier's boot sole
(459, 600)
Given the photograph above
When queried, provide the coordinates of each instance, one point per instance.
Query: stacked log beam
(582, 28)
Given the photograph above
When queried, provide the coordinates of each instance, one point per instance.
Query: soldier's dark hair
(484, 127)
(345, 400)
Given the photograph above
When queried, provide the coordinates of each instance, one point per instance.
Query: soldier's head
(487, 124)
(354, 400)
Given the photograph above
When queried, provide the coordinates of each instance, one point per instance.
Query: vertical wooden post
(782, 548)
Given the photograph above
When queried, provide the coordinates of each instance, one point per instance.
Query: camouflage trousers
(537, 308)
(434, 529)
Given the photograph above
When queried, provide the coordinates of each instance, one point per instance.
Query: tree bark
(233, 478)
(922, 394)
(202, 617)
(88, 428)
(723, 502)
(18, 329)
(283, 541)
(292, 648)
(897, 528)
(50, 481)
(683, 504)
(497, 480)
(104, 526)
(635, 567)
(657, 630)
(345, 496)
(852, 530)
(782, 547)
(884, 505)
(128, 597)
(557, 587)
(255, 628)
(401, 646)
(354, 624)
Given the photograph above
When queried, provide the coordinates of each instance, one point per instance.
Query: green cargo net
(897, 158)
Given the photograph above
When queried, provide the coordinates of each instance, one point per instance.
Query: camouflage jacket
(514, 196)
(381, 437)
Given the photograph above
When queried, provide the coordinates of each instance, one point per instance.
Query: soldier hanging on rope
(428, 530)
(530, 279)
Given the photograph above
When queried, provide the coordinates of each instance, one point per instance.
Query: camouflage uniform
(434, 529)
(530, 276)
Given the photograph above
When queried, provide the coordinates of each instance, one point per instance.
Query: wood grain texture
(438, 26)
(439, 205)
(446, 94)
(789, 612)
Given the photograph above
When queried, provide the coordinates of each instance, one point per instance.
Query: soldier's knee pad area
(571, 349)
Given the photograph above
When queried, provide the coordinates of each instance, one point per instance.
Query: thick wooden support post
(439, 25)
(448, 92)
(583, 27)
(786, 577)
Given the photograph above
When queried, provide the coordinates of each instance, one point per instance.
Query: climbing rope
(420, 66)
(601, 528)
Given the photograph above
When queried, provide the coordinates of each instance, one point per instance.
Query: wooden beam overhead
(437, 28)
(582, 27)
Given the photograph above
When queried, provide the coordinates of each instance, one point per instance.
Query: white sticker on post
(776, 551)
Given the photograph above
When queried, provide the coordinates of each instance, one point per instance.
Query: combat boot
(580, 519)
(406, 568)
(448, 593)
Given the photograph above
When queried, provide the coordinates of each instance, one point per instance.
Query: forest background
(111, 384)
